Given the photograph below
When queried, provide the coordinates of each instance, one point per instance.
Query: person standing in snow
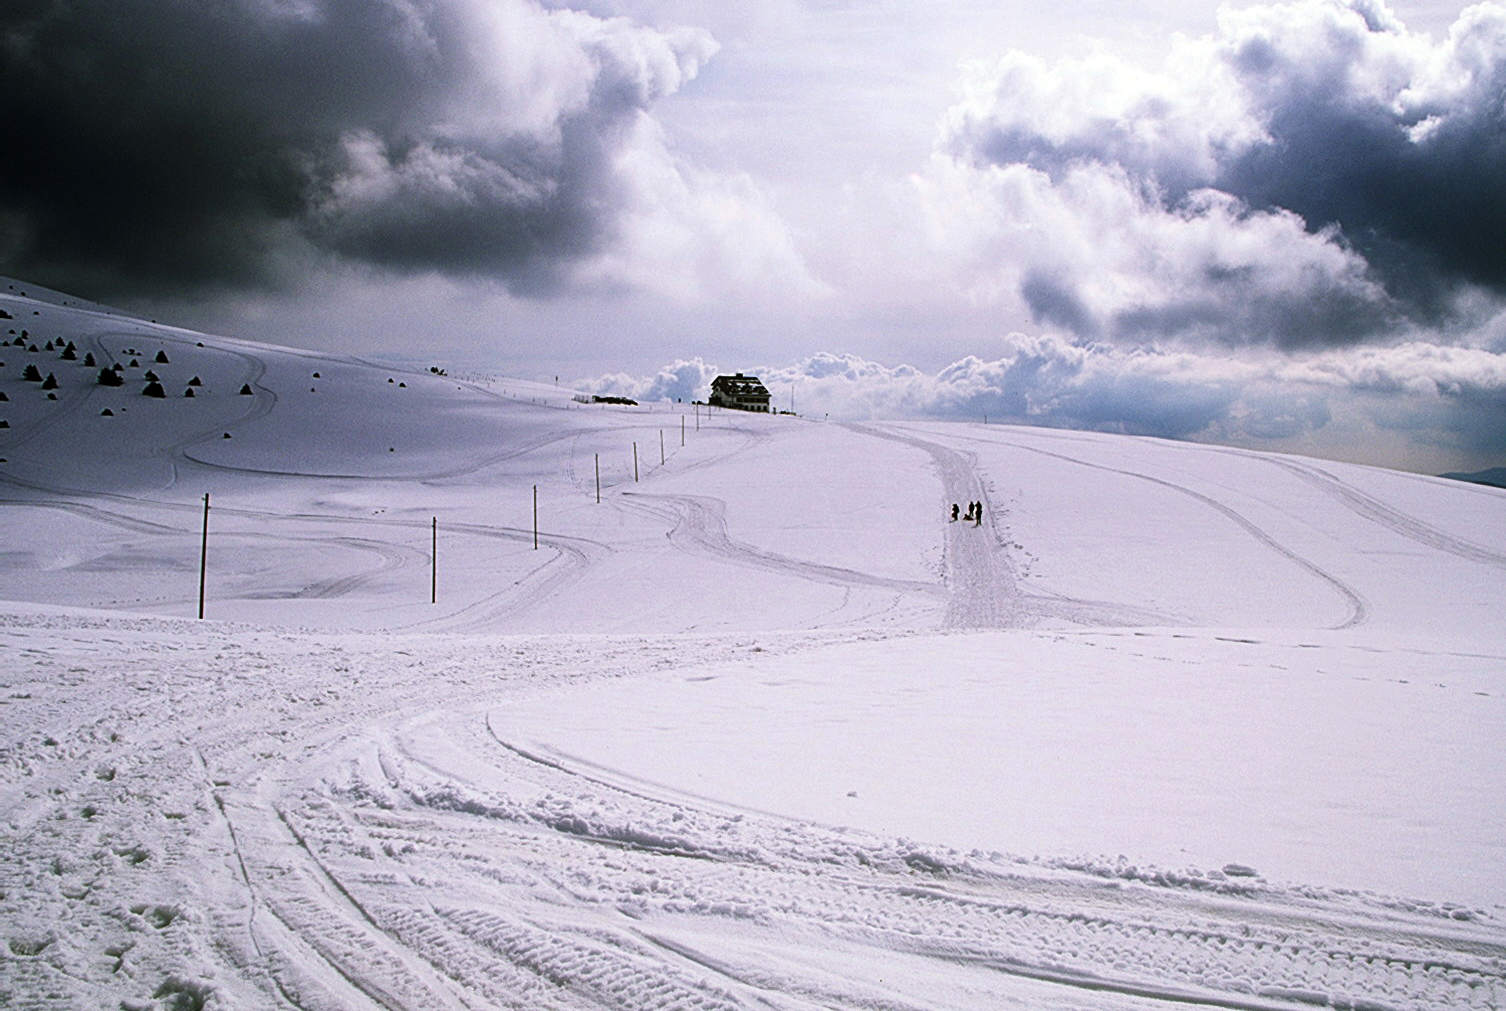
(954, 512)
(977, 510)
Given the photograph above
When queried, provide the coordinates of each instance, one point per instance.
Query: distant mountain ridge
(1495, 477)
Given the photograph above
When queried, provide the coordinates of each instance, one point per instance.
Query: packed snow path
(254, 818)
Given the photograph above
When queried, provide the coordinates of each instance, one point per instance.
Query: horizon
(1252, 224)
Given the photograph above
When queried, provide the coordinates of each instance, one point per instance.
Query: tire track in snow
(402, 858)
(699, 523)
(982, 591)
(1394, 520)
(529, 591)
(1161, 945)
(574, 557)
(1357, 606)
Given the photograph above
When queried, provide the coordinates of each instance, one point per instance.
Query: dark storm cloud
(1385, 145)
(1413, 182)
(1053, 300)
(157, 144)
(1231, 307)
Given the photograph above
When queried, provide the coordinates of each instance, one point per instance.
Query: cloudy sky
(1273, 225)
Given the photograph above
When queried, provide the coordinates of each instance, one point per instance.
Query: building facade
(739, 392)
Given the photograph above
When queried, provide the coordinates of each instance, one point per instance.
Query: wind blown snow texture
(762, 729)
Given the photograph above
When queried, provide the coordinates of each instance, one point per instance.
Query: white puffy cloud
(1311, 175)
(1457, 394)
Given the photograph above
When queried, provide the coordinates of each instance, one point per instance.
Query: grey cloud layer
(1366, 160)
(164, 143)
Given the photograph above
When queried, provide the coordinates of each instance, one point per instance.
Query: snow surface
(761, 729)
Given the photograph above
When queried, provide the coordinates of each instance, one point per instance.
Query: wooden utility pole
(203, 555)
(434, 561)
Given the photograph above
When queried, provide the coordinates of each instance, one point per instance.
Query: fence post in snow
(535, 517)
(434, 561)
(682, 431)
(203, 555)
(598, 479)
(661, 447)
(635, 462)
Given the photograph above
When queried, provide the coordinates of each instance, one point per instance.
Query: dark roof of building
(740, 386)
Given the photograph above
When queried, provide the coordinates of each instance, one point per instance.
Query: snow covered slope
(761, 728)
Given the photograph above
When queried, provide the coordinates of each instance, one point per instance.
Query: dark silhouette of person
(954, 512)
(977, 509)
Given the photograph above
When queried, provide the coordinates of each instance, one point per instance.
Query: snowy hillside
(760, 728)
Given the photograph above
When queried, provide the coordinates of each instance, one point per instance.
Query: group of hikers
(974, 513)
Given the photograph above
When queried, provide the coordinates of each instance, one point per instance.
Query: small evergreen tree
(50, 383)
(109, 377)
(155, 390)
(245, 389)
(31, 374)
(89, 359)
(161, 358)
(188, 392)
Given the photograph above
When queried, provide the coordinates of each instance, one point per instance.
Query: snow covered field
(761, 729)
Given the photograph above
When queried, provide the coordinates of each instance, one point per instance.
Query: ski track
(365, 836)
(698, 523)
(982, 591)
(980, 577)
(1356, 605)
(1367, 506)
(574, 555)
(1394, 520)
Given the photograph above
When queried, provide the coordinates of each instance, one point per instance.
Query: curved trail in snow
(307, 822)
(980, 578)
(1373, 509)
(1363, 504)
(982, 591)
(698, 523)
(1356, 605)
